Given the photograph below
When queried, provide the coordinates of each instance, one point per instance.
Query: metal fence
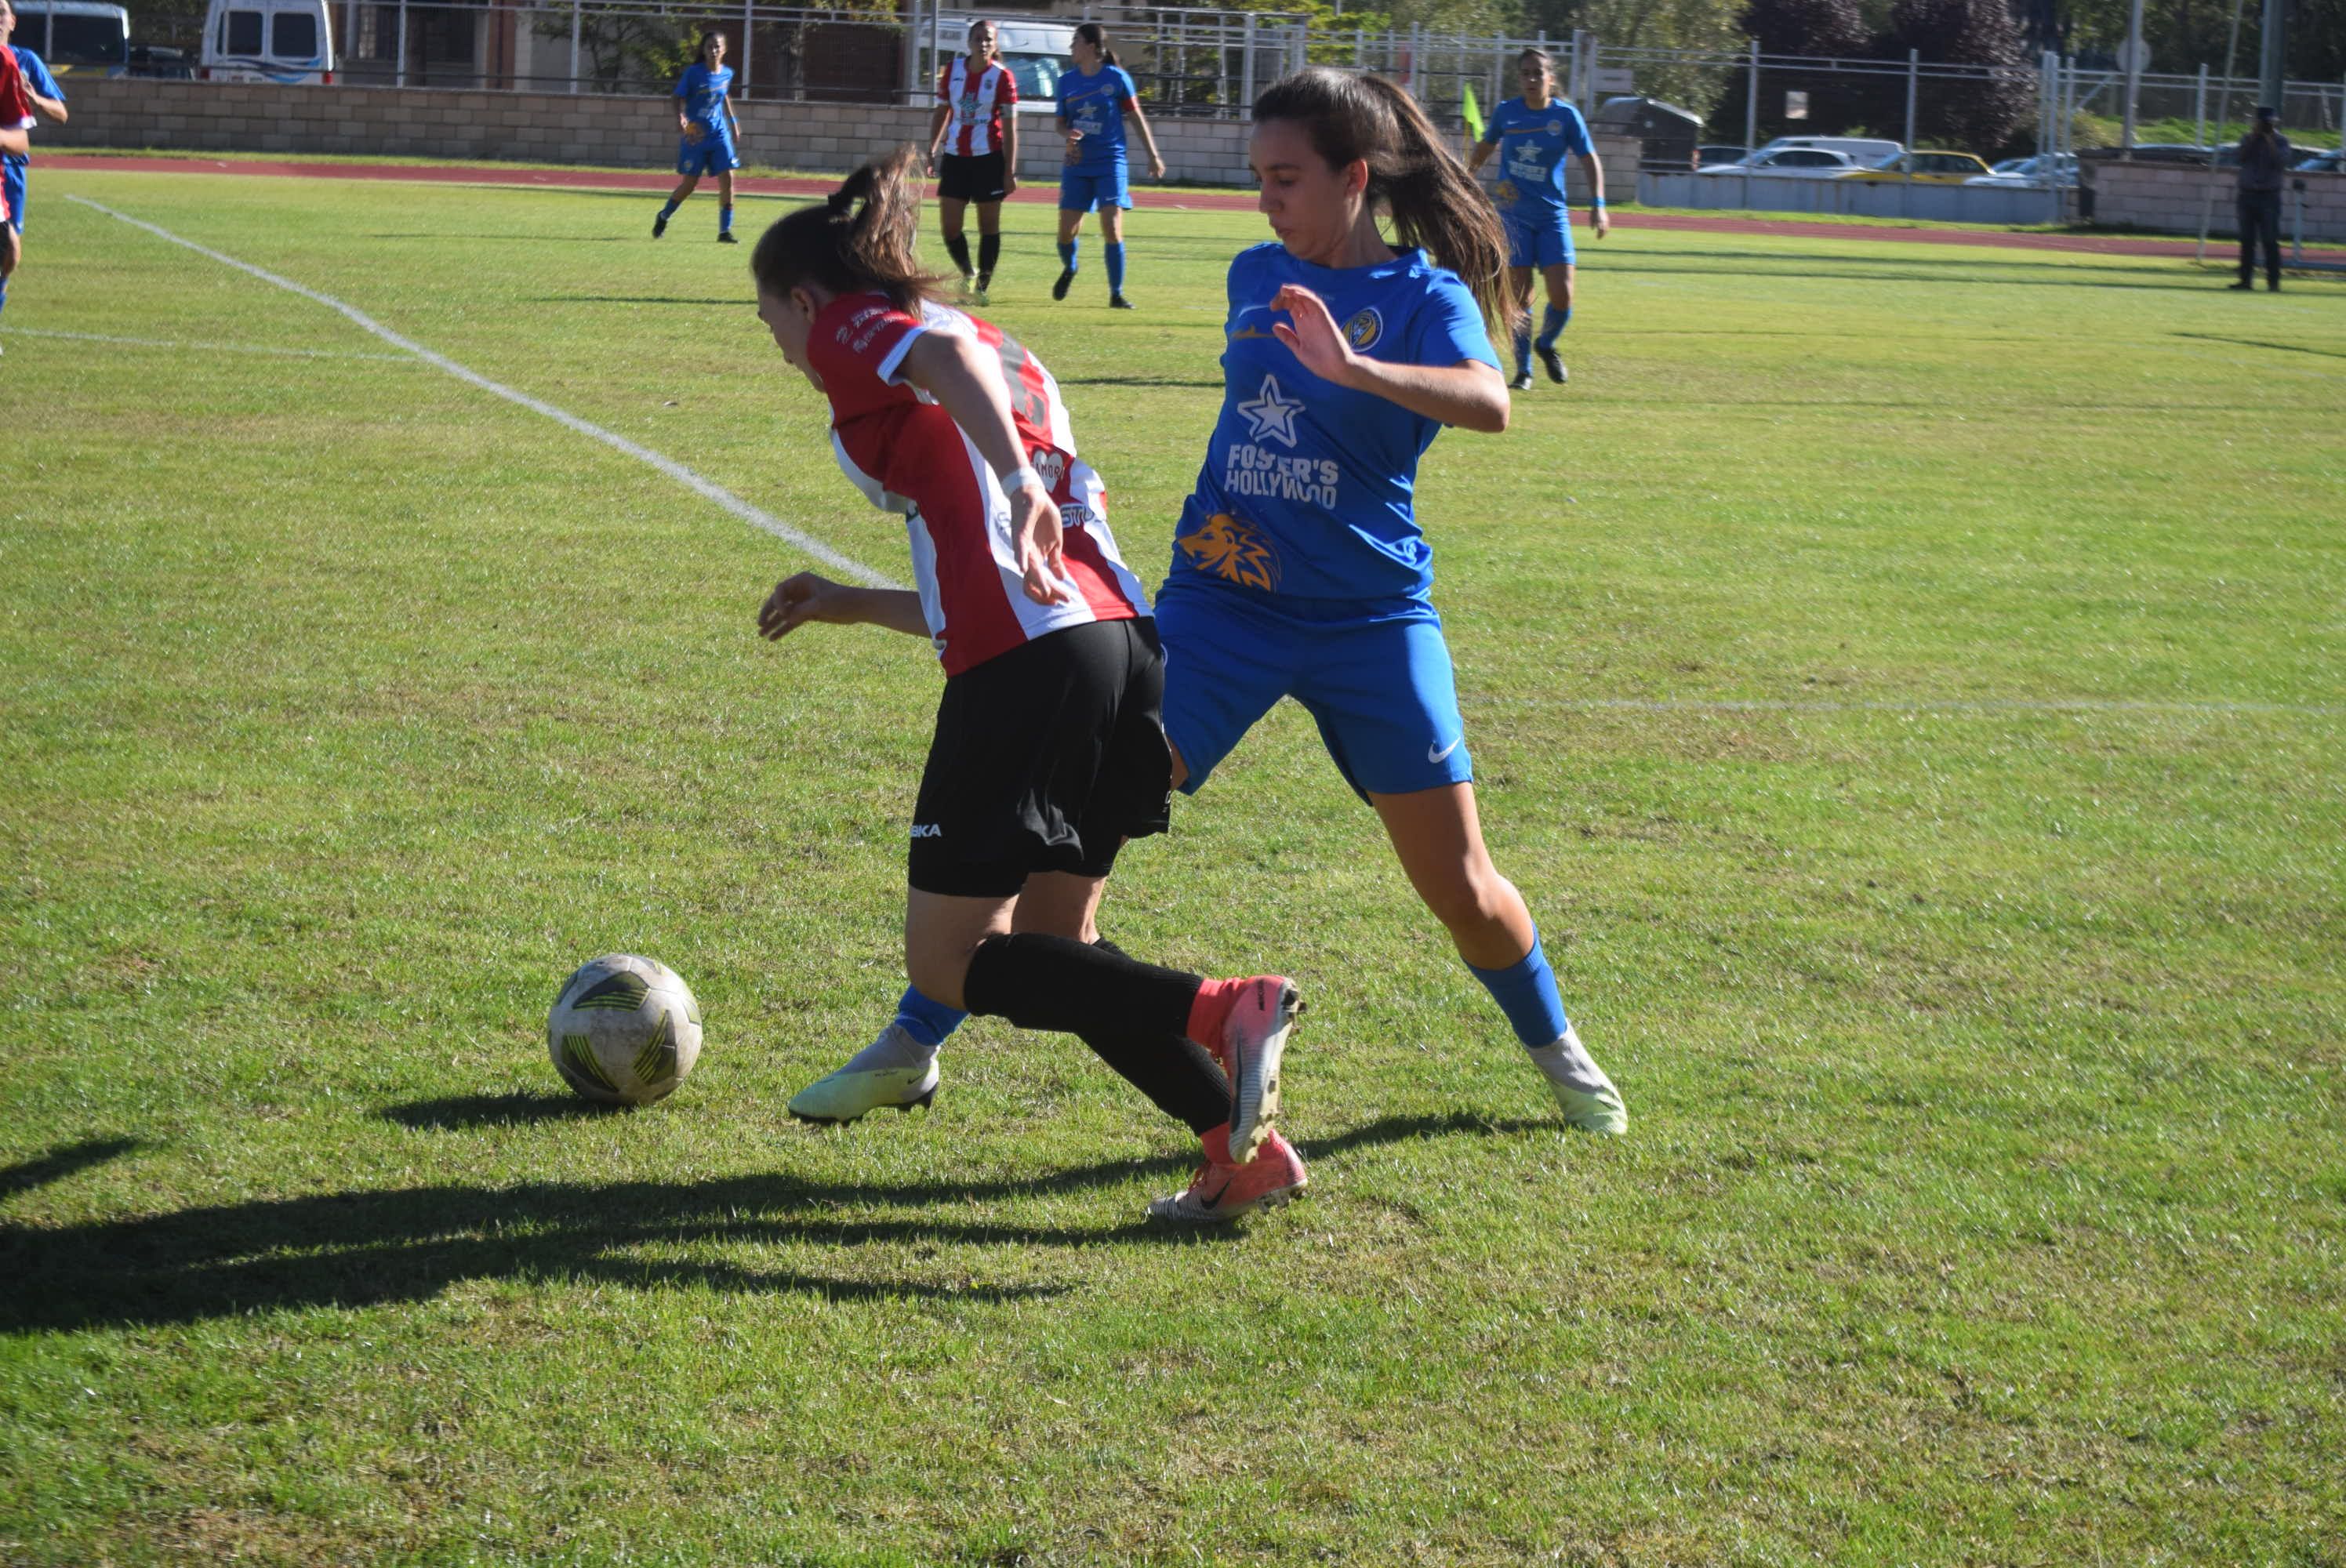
(1188, 61)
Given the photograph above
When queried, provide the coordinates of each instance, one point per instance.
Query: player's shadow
(364, 1248)
(2258, 343)
(495, 1111)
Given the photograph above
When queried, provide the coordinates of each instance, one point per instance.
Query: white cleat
(1588, 1097)
(895, 1071)
(1254, 1037)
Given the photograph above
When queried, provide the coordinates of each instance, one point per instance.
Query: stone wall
(2171, 196)
(128, 114)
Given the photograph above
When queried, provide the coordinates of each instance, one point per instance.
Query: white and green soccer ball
(625, 1031)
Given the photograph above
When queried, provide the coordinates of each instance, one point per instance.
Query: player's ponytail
(1413, 174)
(1095, 34)
(863, 239)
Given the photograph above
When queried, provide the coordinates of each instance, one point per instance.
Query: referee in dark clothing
(2264, 154)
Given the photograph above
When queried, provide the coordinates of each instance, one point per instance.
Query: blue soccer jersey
(1094, 104)
(1308, 488)
(1533, 145)
(703, 92)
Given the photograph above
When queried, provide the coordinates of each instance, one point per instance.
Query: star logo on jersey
(1272, 413)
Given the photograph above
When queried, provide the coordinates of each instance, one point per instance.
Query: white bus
(286, 41)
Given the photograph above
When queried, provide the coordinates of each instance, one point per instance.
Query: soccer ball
(625, 1031)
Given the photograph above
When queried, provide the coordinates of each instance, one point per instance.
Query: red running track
(1164, 199)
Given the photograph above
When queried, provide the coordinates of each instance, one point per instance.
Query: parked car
(1861, 149)
(160, 61)
(1711, 154)
(1924, 169)
(1789, 163)
(2024, 173)
(2322, 161)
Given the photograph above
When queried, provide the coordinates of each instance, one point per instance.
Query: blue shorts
(12, 178)
(1082, 192)
(1374, 674)
(1541, 240)
(709, 155)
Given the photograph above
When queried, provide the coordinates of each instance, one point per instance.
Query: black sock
(989, 251)
(957, 247)
(1132, 1015)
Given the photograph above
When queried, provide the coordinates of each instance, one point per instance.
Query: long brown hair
(1095, 34)
(1433, 201)
(864, 239)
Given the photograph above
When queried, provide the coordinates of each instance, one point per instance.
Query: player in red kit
(15, 118)
(973, 151)
(1049, 749)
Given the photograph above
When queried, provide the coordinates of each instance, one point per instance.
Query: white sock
(894, 1048)
(1566, 1061)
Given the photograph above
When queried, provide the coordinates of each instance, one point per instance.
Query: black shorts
(979, 179)
(1046, 758)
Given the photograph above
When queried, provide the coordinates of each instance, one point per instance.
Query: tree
(1820, 29)
(1709, 25)
(1982, 117)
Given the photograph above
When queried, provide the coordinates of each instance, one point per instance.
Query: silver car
(1788, 163)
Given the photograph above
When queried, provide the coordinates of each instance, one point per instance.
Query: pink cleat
(1243, 1025)
(1223, 1189)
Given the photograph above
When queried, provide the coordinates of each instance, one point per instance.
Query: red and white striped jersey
(907, 456)
(978, 99)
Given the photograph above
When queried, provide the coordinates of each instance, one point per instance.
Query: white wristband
(1020, 478)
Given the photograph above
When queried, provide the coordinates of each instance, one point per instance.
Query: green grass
(1906, 681)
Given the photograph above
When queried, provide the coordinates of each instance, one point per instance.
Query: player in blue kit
(1533, 135)
(1094, 98)
(711, 135)
(48, 98)
(1298, 568)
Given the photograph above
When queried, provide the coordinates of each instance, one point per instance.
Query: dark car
(1669, 131)
(160, 60)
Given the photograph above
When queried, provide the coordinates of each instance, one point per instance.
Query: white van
(1866, 150)
(1034, 53)
(290, 42)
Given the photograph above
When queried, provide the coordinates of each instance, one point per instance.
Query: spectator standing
(2264, 155)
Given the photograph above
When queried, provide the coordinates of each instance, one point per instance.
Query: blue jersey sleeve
(1450, 326)
(1575, 133)
(1126, 92)
(36, 74)
(684, 82)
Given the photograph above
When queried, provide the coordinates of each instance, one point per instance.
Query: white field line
(757, 517)
(209, 348)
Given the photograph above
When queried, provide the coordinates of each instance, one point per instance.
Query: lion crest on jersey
(1230, 549)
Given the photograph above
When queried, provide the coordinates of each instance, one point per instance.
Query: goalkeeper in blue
(1298, 568)
(1533, 135)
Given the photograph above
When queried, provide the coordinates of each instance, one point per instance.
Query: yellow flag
(1473, 112)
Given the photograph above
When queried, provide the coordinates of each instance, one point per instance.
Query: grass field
(1909, 683)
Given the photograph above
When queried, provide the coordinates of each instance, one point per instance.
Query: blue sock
(1523, 351)
(1552, 321)
(668, 210)
(724, 220)
(1115, 254)
(930, 1021)
(1525, 992)
(1068, 254)
(3, 293)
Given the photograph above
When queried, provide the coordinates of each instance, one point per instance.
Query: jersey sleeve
(1493, 130)
(37, 77)
(684, 83)
(944, 85)
(863, 353)
(1450, 326)
(1575, 133)
(1006, 94)
(1126, 92)
(15, 105)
